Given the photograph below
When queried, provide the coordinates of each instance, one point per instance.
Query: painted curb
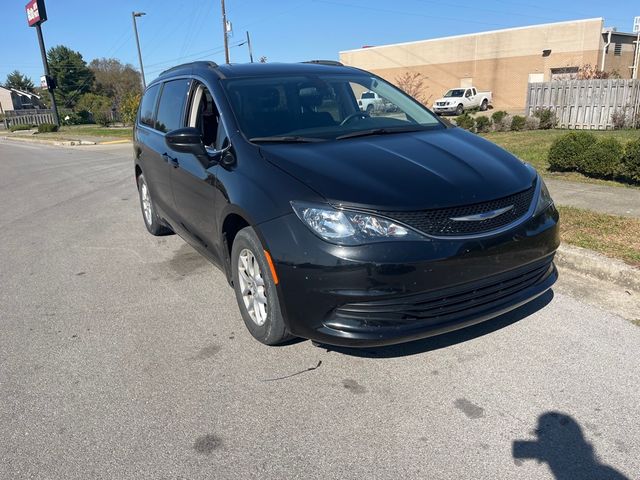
(64, 143)
(598, 266)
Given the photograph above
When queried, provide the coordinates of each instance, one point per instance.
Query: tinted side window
(170, 108)
(148, 105)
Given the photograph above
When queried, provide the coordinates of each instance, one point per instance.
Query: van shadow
(448, 339)
(561, 444)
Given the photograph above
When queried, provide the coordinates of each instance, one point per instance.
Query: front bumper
(445, 109)
(393, 292)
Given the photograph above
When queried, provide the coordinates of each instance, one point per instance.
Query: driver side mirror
(189, 140)
(185, 140)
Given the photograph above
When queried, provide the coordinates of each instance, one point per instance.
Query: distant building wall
(619, 56)
(5, 99)
(502, 61)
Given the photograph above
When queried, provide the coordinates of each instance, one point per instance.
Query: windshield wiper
(380, 131)
(286, 139)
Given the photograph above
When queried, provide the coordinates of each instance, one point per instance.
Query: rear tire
(256, 290)
(152, 221)
(369, 110)
(460, 110)
(484, 105)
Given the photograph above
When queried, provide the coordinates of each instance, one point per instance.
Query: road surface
(123, 356)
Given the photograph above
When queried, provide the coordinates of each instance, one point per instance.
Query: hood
(404, 171)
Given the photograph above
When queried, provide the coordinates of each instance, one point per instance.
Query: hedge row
(599, 158)
(501, 121)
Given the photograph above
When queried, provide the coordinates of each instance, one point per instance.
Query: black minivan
(348, 227)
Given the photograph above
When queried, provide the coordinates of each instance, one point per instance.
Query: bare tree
(413, 83)
(591, 72)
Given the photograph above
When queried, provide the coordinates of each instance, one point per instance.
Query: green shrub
(97, 106)
(619, 118)
(129, 107)
(497, 117)
(517, 123)
(16, 128)
(465, 121)
(602, 159)
(630, 168)
(547, 118)
(531, 123)
(483, 124)
(47, 128)
(566, 151)
(504, 125)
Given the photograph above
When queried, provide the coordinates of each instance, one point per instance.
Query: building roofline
(489, 32)
(22, 92)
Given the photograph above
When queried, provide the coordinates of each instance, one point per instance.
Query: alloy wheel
(252, 287)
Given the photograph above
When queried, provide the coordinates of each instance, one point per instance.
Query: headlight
(350, 228)
(544, 198)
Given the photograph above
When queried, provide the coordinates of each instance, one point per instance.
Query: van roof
(236, 70)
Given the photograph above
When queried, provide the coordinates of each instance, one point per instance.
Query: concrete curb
(598, 266)
(64, 143)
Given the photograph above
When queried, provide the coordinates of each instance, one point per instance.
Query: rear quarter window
(148, 104)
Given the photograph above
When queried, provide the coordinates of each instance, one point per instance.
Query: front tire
(256, 290)
(460, 110)
(152, 221)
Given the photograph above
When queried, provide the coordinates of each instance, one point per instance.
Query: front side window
(148, 105)
(171, 106)
(204, 115)
(324, 107)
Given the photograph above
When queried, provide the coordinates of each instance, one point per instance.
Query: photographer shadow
(561, 444)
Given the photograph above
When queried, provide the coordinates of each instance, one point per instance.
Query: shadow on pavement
(561, 444)
(451, 338)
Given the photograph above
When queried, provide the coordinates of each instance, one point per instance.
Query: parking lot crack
(294, 374)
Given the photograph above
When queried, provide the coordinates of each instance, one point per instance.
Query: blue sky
(283, 30)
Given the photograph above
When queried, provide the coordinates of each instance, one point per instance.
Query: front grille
(442, 104)
(439, 223)
(431, 308)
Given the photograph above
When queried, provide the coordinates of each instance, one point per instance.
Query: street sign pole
(36, 15)
(45, 63)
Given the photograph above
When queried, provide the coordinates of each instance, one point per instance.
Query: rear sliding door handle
(170, 160)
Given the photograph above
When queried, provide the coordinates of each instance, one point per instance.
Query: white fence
(29, 117)
(586, 104)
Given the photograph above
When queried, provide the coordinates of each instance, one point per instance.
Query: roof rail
(203, 63)
(326, 62)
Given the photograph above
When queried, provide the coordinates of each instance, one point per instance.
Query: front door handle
(170, 160)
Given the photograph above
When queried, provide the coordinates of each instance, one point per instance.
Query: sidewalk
(599, 198)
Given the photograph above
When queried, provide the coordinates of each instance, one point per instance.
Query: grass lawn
(533, 147)
(611, 235)
(78, 132)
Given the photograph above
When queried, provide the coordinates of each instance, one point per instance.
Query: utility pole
(224, 32)
(249, 45)
(36, 15)
(135, 31)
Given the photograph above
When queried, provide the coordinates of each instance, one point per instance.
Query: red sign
(36, 12)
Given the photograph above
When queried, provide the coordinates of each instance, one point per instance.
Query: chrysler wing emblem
(482, 216)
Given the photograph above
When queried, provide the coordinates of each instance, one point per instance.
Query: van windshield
(323, 107)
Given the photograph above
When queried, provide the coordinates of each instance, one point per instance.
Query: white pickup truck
(457, 100)
(370, 101)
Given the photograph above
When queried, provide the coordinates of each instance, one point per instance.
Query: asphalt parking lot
(124, 356)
